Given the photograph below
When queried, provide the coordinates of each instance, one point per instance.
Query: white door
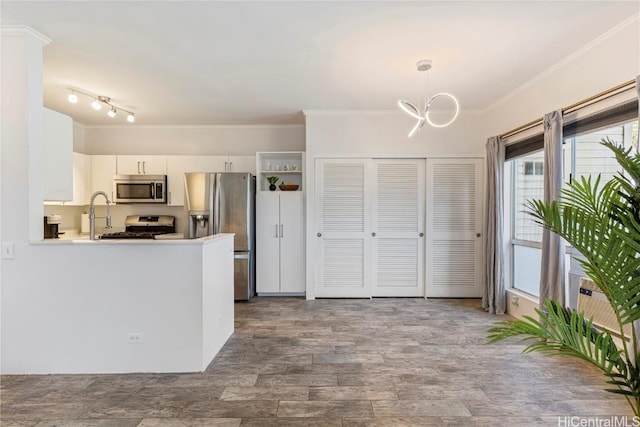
(398, 224)
(292, 257)
(454, 223)
(343, 250)
(267, 242)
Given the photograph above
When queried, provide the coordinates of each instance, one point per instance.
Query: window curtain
(493, 298)
(552, 265)
(636, 324)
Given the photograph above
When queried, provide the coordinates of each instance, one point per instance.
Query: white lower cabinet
(280, 242)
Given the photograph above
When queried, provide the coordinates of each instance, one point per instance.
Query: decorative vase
(272, 187)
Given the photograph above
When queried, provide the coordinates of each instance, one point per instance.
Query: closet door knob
(373, 234)
(319, 234)
(421, 234)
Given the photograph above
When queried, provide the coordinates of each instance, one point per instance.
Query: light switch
(7, 250)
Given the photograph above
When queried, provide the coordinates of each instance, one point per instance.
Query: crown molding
(133, 126)
(612, 31)
(22, 31)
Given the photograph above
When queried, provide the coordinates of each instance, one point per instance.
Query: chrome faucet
(92, 213)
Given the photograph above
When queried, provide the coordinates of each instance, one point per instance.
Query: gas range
(144, 227)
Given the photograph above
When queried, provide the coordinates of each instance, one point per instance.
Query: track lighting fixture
(423, 117)
(98, 101)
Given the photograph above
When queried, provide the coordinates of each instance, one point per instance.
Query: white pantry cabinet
(280, 242)
(103, 168)
(58, 156)
(142, 165)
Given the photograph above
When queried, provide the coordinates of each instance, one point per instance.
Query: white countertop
(84, 240)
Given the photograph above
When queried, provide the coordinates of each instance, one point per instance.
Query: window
(533, 168)
(583, 155)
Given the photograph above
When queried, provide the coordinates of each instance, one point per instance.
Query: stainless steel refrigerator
(225, 203)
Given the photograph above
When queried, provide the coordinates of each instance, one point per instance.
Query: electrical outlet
(7, 250)
(515, 301)
(135, 338)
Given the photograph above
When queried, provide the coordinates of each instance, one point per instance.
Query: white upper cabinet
(81, 180)
(58, 156)
(103, 168)
(241, 164)
(142, 165)
(177, 166)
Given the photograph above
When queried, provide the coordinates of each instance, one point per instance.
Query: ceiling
(241, 62)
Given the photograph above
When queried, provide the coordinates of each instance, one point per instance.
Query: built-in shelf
(275, 163)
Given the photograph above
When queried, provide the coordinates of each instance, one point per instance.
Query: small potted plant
(272, 182)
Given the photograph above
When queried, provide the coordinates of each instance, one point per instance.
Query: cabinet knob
(478, 234)
(319, 234)
(373, 234)
(421, 234)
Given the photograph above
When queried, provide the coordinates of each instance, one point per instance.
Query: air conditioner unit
(595, 304)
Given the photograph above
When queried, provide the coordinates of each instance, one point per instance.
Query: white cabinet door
(267, 242)
(242, 164)
(103, 168)
(454, 223)
(292, 257)
(343, 250)
(216, 163)
(398, 224)
(279, 242)
(58, 156)
(81, 180)
(142, 165)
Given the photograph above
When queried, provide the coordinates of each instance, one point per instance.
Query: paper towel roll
(84, 223)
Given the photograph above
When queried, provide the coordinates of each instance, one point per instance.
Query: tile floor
(291, 362)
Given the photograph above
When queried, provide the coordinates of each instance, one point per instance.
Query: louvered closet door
(454, 223)
(398, 224)
(343, 251)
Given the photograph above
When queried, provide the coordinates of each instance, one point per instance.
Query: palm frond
(562, 331)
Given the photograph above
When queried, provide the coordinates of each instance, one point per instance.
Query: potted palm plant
(602, 222)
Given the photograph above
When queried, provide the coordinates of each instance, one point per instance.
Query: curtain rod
(573, 107)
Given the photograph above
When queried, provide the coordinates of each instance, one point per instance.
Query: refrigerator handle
(216, 206)
(276, 230)
(281, 230)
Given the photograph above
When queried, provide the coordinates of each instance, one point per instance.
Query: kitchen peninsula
(124, 306)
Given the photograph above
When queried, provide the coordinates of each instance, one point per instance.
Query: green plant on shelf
(272, 179)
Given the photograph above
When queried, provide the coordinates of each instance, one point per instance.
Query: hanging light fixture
(422, 117)
(98, 101)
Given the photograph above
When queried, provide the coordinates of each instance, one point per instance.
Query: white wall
(608, 61)
(205, 140)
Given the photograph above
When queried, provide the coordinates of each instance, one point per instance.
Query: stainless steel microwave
(140, 188)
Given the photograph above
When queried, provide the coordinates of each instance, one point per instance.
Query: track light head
(97, 102)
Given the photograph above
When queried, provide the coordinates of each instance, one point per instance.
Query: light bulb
(73, 98)
(96, 105)
(131, 118)
(112, 112)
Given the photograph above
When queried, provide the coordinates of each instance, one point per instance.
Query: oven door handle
(153, 191)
